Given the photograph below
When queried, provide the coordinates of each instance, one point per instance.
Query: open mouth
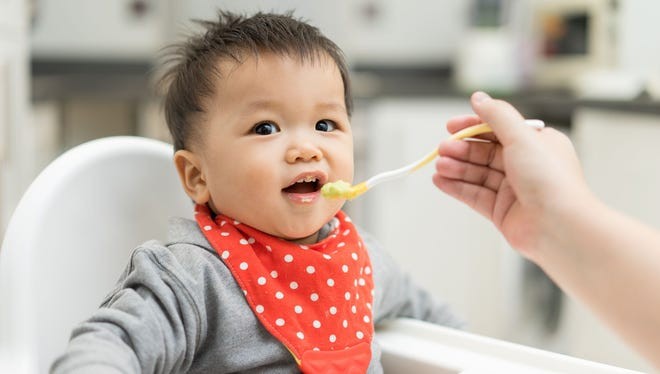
(308, 184)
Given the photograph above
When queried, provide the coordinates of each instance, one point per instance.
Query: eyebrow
(332, 106)
(269, 104)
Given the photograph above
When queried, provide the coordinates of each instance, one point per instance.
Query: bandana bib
(315, 299)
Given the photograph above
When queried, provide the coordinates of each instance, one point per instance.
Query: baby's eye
(265, 128)
(325, 125)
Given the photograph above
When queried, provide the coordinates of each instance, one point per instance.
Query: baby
(270, 276)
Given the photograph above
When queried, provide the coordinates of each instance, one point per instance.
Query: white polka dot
(331, 282)
(207, 228)
(302, 246)
(315, 349)
(360, 244)
(359, 335)
(288, 258)
(279, 295)
(273, 274)
(354, 282)
(310, 269)
(225, 255)
(341, 245)
(361, 282)
(223, 223)
(345, 324)
(259, 308)
(300, 335)
(251, 240)
(347, 295)
(347, 219)
(245, 292)
(298, 309)
(332, 338)
(316, 324)
(243, 266)
(369, 306)
(366, 319)
(293, 285)
(367, 270)
(354, 255)
(357, 296)
(327, 256)
(243, 241)
(314, 297)
(224, 233)
(236, 222)
(269, 248)
(261, 281)
(353, 309)
(361, 271)
(344, 268)
(279, 322)
(333, 310)
(346, 232)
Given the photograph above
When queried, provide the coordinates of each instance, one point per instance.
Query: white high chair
(71, 234)
(69, 240)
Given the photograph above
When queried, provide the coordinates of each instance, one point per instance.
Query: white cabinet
(460, 257)
(13, 105)
(370, 32)
(91, 30)
(445, 246)
(621, 160)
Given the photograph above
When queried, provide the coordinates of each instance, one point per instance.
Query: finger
(460, 122)
(504, 119)
(470, 173)
(479, 198)
(489, 154)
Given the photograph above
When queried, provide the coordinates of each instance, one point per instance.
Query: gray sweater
(177, 308)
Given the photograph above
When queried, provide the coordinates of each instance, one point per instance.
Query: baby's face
(277, 130)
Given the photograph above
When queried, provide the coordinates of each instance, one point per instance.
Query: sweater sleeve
(148, 324)
(397, 295)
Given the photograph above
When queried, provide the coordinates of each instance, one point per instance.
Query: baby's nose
(304, 152)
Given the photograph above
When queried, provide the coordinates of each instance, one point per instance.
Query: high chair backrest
(70, 237)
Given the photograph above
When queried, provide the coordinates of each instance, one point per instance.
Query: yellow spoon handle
(467, 132)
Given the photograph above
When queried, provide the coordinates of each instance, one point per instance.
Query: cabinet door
(370, 32)
(9, 11)
(444, 245)
(13, 104)
(105, 30)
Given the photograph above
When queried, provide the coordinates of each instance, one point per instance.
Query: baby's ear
(191, 175)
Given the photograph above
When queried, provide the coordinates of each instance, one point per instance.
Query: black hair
(192, 65)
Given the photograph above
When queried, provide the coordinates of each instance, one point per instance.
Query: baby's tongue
(304, 187)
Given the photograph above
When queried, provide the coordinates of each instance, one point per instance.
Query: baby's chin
(300, 235)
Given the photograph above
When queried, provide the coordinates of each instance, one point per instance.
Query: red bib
(316, 299)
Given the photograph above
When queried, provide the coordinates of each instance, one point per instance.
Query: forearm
(610, 262)
(96, 349)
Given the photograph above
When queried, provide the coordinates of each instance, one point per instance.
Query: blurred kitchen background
(75, 70)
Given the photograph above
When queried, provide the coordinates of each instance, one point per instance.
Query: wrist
(562, 225)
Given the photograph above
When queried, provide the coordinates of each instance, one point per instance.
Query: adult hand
(523, 180)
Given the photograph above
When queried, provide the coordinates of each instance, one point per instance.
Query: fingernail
(480, 96)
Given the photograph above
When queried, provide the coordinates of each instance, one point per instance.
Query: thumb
(503, 118)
